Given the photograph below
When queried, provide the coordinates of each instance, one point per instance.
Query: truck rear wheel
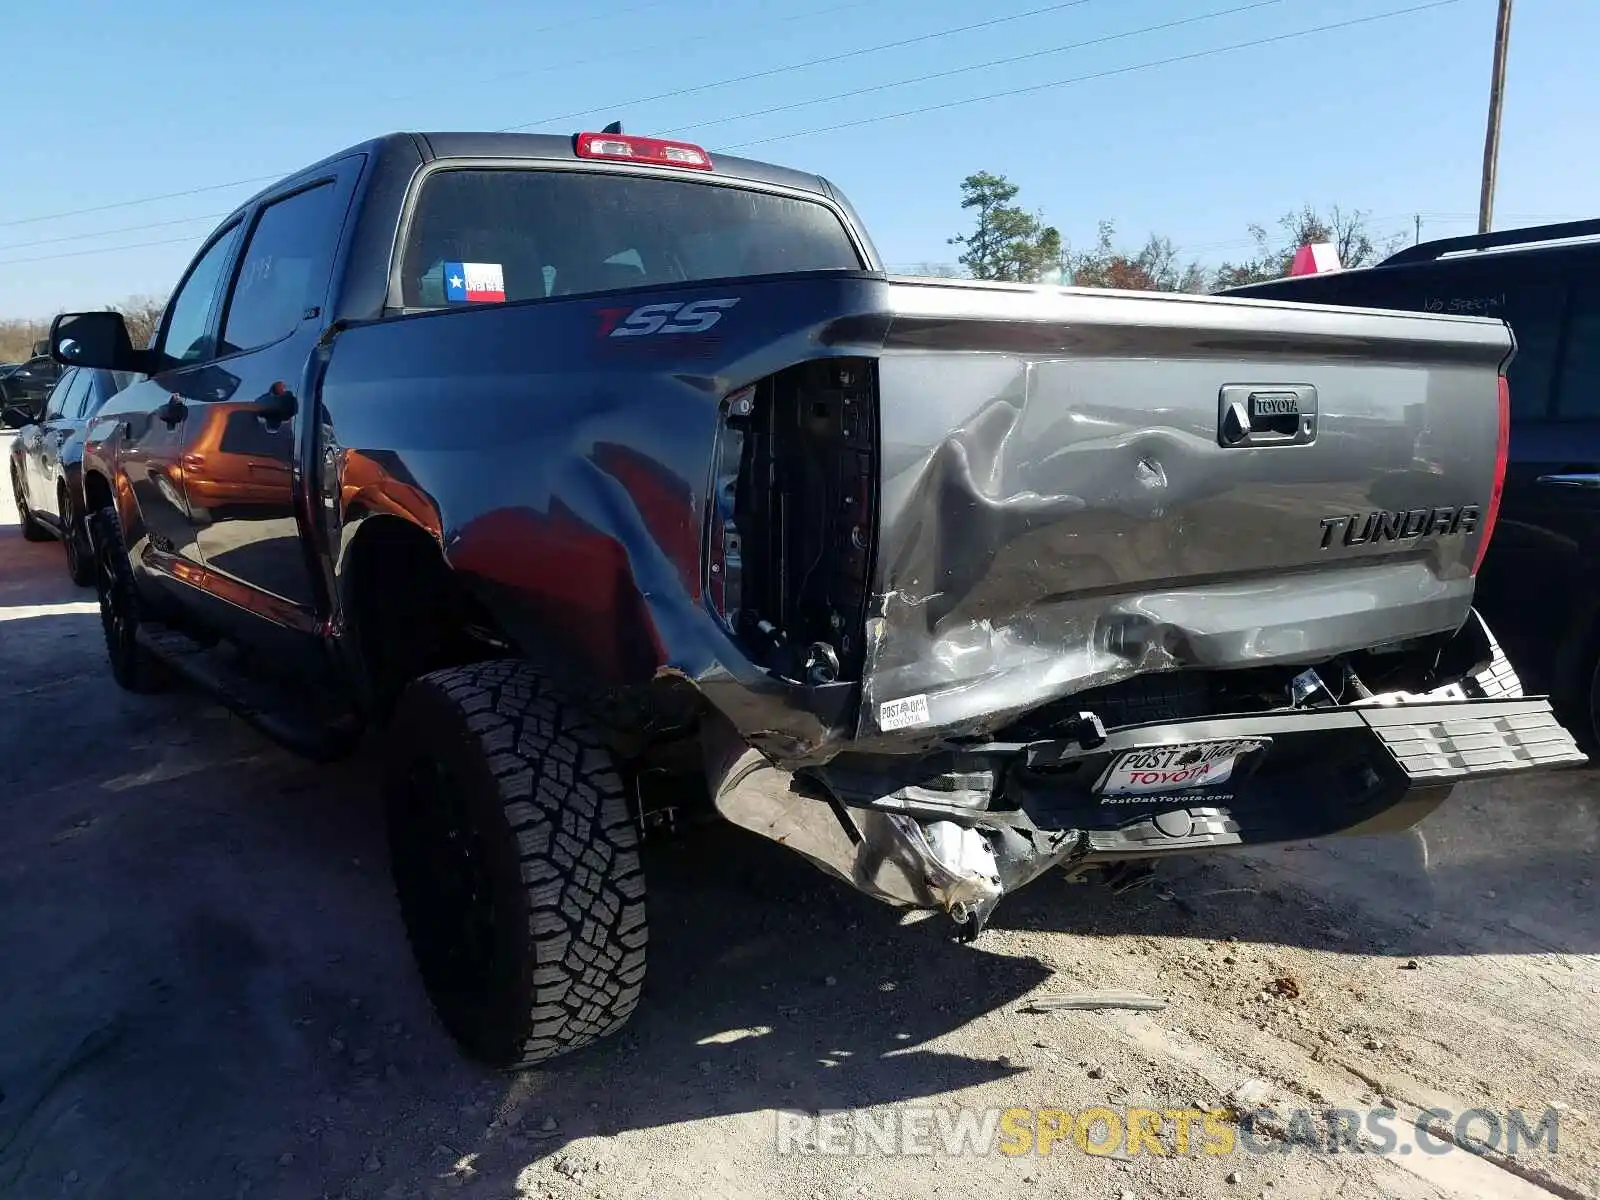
(516, 862)
(132, 666)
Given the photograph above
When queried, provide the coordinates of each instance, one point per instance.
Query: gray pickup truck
(567, 464)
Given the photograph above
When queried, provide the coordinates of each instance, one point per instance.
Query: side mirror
(96, 339)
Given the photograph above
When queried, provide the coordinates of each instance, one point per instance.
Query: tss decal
(696, 316)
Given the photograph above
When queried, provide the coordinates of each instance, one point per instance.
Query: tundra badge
(1384, 526)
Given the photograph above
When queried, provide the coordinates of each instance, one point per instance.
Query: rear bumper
(1347, 770)
(999, 815)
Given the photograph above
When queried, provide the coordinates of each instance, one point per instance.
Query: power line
(194, 191)
(825, 60)
(675, 43)
(1169, 61)
(79, 237)
(1040, 87)
(11, 262)
(996, 62)
(1257, 4)
(216, 187)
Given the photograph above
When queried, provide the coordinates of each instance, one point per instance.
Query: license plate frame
(1175, 767)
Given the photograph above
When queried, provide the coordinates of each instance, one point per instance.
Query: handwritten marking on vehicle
(675, 316)
(903, 713)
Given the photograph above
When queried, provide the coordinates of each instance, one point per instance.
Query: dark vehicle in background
(23, 388)
(1539, 587)
(572, 464)
(47, 464)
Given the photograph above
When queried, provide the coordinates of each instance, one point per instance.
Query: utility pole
(1418, 242)
(1491, 140)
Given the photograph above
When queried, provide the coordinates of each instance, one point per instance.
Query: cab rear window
(524, 234)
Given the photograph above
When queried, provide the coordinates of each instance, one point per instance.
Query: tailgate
(1079, 487)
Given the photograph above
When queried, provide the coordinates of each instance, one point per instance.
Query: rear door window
(61, 396)
(523, 234)
(58, 397)
(283, 271)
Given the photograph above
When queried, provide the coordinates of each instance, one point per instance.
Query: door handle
(173, 411)
(277, 406)
(1576, 480)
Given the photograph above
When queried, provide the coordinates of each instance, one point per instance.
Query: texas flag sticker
(468, 282)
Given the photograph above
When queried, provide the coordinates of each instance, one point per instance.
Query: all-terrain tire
(31, 529)
(75, 538)
(516, 861)
(132, 665)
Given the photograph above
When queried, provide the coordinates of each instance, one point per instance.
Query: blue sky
(122, 102)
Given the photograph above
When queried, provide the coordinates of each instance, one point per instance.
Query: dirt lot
(206, 991)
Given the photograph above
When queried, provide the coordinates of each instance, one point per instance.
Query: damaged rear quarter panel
(565, 472)
(1057, 512)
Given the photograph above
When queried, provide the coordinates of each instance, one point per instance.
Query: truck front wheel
(516, 862)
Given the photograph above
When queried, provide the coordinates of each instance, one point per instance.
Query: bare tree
(18, 337)
(1154, 268)
(143, 315)
(1347, 229)
(938, 270)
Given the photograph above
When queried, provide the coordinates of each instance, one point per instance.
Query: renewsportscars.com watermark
(929, 1130)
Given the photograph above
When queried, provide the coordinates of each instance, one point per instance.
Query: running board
(300, 719)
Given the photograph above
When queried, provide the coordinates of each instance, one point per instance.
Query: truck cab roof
(422, 148)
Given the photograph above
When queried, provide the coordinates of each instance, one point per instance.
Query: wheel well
(96, 492)
(406, 612)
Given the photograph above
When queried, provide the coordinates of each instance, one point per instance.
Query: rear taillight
(1502, 452)
(647, 151)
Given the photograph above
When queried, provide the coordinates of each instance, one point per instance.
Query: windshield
(524, 234)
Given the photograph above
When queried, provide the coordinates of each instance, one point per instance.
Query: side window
(89, 400)
(1578, 395)
(82, 389)
(188, 337)
(57, 404)
(283, 271)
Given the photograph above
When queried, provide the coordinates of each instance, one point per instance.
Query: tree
(17, 338)
(143, 315)
(1347, 230)
(1008, 243)
(938, 270)
(1155, 268)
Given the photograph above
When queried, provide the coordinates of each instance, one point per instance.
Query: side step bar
(303, 721)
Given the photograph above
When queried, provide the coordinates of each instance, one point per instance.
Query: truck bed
(1060, 510)
(896, 510)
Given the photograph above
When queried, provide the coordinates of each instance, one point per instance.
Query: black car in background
(47, 463)
(1539, 587)
(24, 386)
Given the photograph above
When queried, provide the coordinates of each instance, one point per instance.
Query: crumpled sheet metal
(1058, 518)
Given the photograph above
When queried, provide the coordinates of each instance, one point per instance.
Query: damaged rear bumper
(1018, 809)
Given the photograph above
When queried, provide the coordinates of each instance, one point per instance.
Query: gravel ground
(206, 991)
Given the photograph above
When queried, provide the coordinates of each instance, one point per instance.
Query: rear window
(526, 234)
